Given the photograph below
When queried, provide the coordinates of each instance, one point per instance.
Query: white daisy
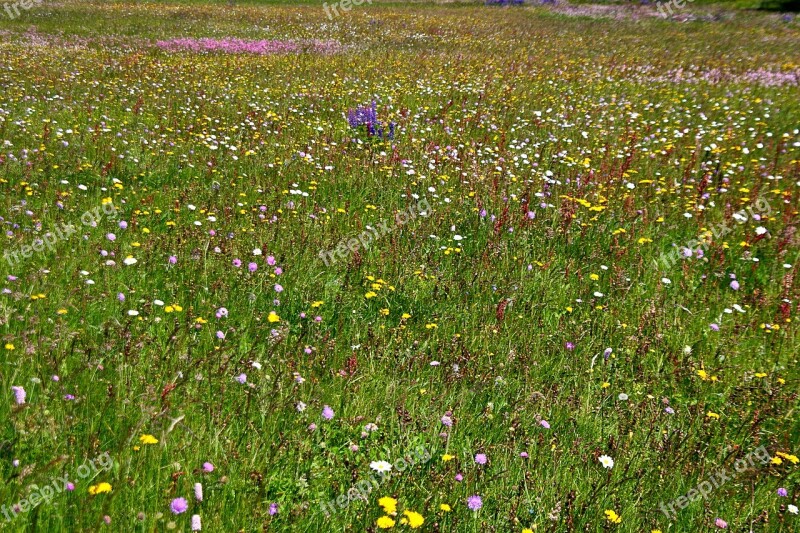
(381, 466)
(606, 461)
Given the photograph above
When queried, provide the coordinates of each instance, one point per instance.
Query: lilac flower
(19, 394)
(198, 492)
(196, 522)
(669, 411)
(242, 378)
(278, 288)
(172, 260)
(270, 260)
(111, 237)
(123, 224)
(120, 297)
(70, 486)
(480, 458)
(237, 263)
(714, 327)
(474, 502)
(208, 467)
(569, 346)
(220, 335)
(459, 477)
(179, 505)
(545, 424)
(252, 267)
(327, 412)
(447, 421)
(720, 523)
(273, 508)
(524, 455)
(782, 492)
(221, 312)
(735, 285)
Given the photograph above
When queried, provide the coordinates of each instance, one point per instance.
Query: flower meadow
(475, 266)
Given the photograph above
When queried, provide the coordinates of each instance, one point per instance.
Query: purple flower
(241, 378)
(123, 224)
(179, 505)
(220, 335)
(237, 263)
(120, 297)
(208, 467)
(459, 477)
(714, 327)
(111, 237)
(327, 412)
(735, 285)
(782, 492)
(669, 411)
(447, 421)
(474, 502)
(480, 458)
(173, 260)
(252, 267)
(270, 260)
(222, 312)
(569, 346)
(545, 424)
(70, 486)
(19, 394)
(196, 523)
(524, 455)
(278, 288)
(720, 523)
(273, 508)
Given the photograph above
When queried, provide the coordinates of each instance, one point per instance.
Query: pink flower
(252, 267)
(179, 505)
(474, 502)
(19, 394)
(480, 458)
(545, 424)
(270, 260)
(208, 467)
(720, 523)
(327, 412)
(196, 522)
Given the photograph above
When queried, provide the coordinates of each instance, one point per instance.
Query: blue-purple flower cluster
(366, 117)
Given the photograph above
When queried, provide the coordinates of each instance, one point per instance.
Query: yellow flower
(761, 375)
(384, 522)
(444, 507)
(711, 414)
(527, 530)
(613, 517)
(316, 304)
(415, 520)
(148, 439)
(9, 346)
(703, 374)
(447, 457)
(384, 312)
(776, 460)
(388, 504)
(100, 489)
(606, 384)
(792, 458)
(62, 311)
(594, 277)
(370, 294)
(273, 317)
(406, 316)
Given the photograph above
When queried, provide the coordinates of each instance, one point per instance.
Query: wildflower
(447, 457)
(208, 467)
(474, 502)
(19, 394)
(444, 507)
(447, 421)
(273, 317)
(252, 267)
(782, 492)
(99, 489)
(385, 522)
(381, 466)
(148, 439)
(545, 424)
(613, 517)
(198, 492)
(720, 523)
(413, 519)
(459, 477)
(179, 505)
(606, 461)
(241, 378)
(480, 459)
(273, 509)
(792, 508)
(196, 526)
(327, 412)
(9, 346)
(388, 504)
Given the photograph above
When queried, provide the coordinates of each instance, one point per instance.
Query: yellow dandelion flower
(446, 508)
(447, 457)
(613, 517)
(385, 522)
(148, 439)
(100, 488)
(273, 317)
(414, 519)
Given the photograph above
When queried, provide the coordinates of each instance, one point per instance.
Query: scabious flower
(208, 467)
(720, 523)
(545, 424)
(327, 412)
(179, 505)
(474, 502)
(19, 394)
(782, 492)
(241, 378)
(480, 458)
(273, 508)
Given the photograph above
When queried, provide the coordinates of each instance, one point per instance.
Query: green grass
(584, 121)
